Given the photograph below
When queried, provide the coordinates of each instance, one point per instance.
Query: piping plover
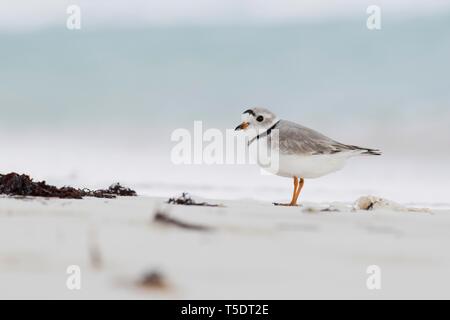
(302, 152)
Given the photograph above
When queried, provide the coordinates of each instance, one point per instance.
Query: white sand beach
(249, 250)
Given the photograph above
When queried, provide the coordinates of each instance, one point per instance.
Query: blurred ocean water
(92, 105)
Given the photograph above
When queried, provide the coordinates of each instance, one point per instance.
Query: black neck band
(265, 133)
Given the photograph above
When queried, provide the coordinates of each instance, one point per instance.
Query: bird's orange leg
(299, 189)
(295, 194)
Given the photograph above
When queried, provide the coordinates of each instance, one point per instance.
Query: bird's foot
(285, 204)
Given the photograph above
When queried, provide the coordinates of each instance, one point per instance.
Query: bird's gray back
(297, 139)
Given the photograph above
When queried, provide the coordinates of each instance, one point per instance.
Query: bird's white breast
(306, 166)
(290, 165)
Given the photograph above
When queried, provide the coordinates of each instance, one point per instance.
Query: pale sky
(26, 14)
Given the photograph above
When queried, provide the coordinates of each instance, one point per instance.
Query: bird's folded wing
(300, 140)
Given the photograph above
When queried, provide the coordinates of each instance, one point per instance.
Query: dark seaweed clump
(114, 190)
(185, 199)
(14, 184)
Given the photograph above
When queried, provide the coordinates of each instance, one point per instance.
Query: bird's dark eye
(260, 118)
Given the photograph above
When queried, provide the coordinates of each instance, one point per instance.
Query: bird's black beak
(242, 126)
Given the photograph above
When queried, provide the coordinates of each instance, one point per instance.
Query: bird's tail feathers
(366, 151)
(372, 152)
